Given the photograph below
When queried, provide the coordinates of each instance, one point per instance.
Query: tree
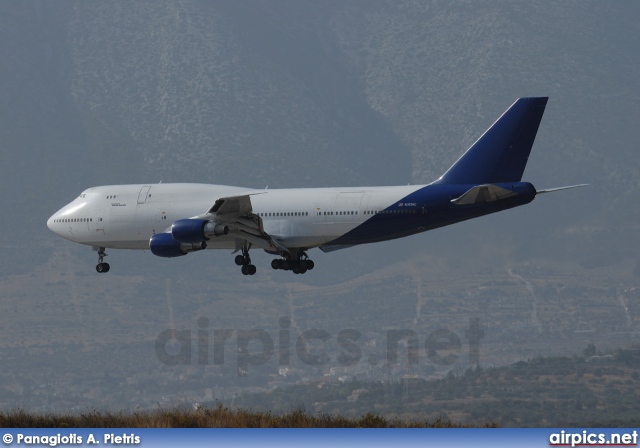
(589, 351)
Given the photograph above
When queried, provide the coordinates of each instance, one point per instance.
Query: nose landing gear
(102, 267)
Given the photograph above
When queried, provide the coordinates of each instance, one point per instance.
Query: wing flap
(236, 212)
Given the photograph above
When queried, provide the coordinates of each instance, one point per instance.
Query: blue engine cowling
(163, 245)
(196, 230)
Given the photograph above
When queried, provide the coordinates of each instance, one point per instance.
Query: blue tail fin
(501, 154)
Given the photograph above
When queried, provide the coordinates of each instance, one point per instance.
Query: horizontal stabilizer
(483, 194)
(551, 190)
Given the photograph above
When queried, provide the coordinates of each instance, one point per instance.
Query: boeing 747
(173, 220)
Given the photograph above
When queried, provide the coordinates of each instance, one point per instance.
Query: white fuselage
(126, 216)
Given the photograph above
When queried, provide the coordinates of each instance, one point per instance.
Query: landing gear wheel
(298, 262)
(249, 269)
(102, 267)
(245, 261)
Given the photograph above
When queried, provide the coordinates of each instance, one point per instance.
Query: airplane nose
(51, 224)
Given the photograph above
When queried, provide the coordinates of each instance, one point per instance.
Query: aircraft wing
(331, 248)
(482, 194)
(234, 205)
(236, 213)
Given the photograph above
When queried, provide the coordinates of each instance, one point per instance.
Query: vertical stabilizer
(501, 153)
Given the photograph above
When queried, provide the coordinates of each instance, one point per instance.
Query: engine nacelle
(196, 230)
(163, 245)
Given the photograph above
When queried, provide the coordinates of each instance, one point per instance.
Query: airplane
(173, 220)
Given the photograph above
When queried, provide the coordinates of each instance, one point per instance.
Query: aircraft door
(144, 194)
(98, 223)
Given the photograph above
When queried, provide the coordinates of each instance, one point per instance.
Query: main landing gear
(301, 264)
(298, 262)
(245, 261)
(102, 267)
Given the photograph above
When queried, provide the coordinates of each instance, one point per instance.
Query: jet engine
(196, 230)
(163, 245)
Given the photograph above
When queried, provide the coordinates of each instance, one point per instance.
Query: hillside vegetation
(219, 417)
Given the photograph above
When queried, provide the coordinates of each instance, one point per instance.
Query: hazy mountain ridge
(202, 98)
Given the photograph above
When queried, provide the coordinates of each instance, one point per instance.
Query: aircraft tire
(239, 260)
